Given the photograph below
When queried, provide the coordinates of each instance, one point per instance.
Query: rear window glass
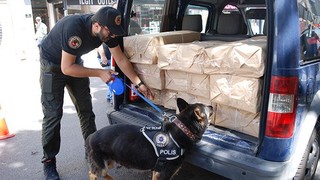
(146, 14)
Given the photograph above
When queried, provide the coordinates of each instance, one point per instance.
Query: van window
(147, 14)
(256, 26)
(256, 20)
(203, 11)
(309, 26)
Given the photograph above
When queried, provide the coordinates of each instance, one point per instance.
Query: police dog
(129, 146)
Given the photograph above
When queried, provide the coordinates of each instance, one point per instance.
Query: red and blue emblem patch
(74, 42)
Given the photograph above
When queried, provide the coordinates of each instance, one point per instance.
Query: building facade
(17, 24)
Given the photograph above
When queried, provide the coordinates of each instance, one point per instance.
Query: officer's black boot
(50, 169)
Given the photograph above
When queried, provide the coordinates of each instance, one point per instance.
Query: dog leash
(164, 114)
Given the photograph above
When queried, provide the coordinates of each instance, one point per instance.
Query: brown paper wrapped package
(141, 48)
(243, 58)
(169, 99)
(187, 57)
(235, 91)
(158, 94)
(196, 84)
(242, 121)
(151, 75)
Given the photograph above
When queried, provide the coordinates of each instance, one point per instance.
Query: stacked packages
(226, 75)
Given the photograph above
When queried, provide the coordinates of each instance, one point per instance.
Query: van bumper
(236, 165)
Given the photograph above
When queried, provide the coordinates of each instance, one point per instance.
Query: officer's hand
(146, 91)
(106, 75)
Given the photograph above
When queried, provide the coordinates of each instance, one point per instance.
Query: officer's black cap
(110, 17)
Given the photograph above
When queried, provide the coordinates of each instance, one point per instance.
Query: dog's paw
(92, 176)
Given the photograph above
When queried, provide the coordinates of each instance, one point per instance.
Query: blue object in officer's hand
(116, 86)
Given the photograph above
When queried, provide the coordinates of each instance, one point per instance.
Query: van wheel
(309, 162)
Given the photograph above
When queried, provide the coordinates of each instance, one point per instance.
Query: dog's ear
(199, 114)
(182, 104)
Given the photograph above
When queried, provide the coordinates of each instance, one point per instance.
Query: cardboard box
(158, 95)
(176, 80)
(187, 57)
(242, 58)
(170, 101)
(151, 75)
(142, 48)
(235, 91)
(196, 84)
(170, 98)
(238, 120)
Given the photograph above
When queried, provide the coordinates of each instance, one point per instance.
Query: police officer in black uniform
(62, 66)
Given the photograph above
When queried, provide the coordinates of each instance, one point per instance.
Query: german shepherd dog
(128, 146)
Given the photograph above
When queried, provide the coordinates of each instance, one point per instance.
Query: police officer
(62, 66)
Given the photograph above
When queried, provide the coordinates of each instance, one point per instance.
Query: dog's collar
(185, 129)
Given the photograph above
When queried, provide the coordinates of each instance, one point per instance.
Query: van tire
(309, 162)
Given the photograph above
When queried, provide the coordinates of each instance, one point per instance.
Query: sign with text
(91, 2)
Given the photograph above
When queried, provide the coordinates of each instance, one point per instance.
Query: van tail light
(282, 107)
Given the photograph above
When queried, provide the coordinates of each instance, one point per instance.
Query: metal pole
(65, 8)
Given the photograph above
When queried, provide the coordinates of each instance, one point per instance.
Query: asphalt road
(20, 155)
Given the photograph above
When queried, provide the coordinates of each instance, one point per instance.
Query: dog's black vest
(165, 147)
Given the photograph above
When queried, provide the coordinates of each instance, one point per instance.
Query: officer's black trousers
(53, 83)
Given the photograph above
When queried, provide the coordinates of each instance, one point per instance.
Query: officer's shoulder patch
(74, 42)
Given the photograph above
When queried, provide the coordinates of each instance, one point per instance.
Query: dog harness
(165, 147)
